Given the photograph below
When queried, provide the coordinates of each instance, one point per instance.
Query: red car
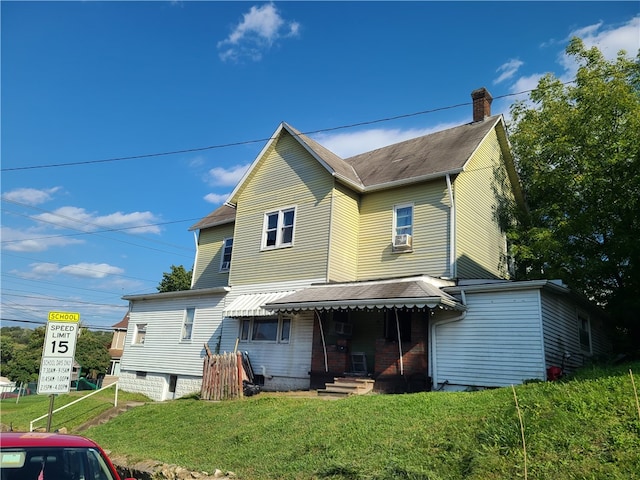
(53, 456)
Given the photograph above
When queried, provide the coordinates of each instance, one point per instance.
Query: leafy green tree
(577, 147)
(24, 364)
(179, 279)
(92, 353)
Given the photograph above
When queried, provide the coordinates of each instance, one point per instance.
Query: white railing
(115, 404)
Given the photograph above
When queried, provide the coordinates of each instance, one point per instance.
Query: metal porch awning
(400, 293)
(251, 305)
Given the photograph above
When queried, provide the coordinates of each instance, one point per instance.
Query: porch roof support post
(324, 344)
(399, 341)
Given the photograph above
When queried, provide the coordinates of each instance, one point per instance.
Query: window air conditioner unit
(402, 241)
(342, 328)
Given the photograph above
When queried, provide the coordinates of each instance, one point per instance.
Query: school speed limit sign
(57, 352)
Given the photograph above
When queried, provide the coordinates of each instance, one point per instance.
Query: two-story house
(390, 264)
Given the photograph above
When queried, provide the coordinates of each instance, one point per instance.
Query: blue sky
(88, 85)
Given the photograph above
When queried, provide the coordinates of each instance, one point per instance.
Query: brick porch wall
(414, 353)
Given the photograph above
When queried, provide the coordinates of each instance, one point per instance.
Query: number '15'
(63, 346)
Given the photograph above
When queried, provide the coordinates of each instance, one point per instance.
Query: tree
(179, 279)
(24, 364)
(577, 148)
(92, 353)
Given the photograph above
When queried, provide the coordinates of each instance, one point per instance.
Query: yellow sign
(64, 317)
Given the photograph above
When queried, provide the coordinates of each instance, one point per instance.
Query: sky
(124, 123)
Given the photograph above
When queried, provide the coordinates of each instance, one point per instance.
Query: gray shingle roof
(431, 155)
(223, 214)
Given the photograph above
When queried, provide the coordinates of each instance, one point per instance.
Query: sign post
(57, 355)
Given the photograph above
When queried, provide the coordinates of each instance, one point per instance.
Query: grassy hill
(587, 427)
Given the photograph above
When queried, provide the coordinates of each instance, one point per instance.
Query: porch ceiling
(367, 295)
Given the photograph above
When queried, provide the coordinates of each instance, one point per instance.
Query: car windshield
(55, 463)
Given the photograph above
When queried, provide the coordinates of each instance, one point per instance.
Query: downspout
(433, 340)
(452, 230)
(324, 344)
(399, 341)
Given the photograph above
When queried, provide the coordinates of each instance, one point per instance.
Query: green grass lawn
(584, 428)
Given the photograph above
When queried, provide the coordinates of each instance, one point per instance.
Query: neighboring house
(390, 264)
(116, 348)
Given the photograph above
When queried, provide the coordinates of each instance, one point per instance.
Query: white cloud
(79, 219)
(44, 270)
(91, 270)
(216, 198)
(33, 241)
(219, 176)
(258, 31)
(347, 145)
(508, 70)
(609, 40)
(30, 196)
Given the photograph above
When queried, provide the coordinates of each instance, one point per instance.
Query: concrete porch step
(345, 386)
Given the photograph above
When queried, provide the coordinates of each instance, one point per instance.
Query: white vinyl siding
(309, 188)
(562, 335)
(480, 244)
(498, 343)
(287, 363)
(430, 242)
(163, 352)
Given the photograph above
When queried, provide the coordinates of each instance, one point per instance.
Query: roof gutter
(198, 292)
(410, 181)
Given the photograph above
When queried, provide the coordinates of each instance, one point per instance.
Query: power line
(248, 142)
(36, 322)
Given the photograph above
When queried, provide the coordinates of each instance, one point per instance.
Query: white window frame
(246, 329)
(225, 265)
(279, 228)
(583, 320)
(139, 333)
(188, 323)
(401, 230)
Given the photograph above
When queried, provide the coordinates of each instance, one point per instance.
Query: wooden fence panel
(221, 376)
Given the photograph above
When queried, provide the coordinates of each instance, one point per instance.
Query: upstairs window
(187, 325)
(139, 332)
(402, 228)
(278, 228)
(227, 247)
(403, 219)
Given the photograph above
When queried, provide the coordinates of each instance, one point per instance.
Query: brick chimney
(481, 104)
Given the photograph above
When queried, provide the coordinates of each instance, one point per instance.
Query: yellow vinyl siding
(480, 244)
(430, 232)
(343, 259)
(206, 271)
(287, 176)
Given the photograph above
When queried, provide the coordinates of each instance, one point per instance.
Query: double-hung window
(187, 325)
(265, 329)
(227, 247)
(278, 228)
(402, 227)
